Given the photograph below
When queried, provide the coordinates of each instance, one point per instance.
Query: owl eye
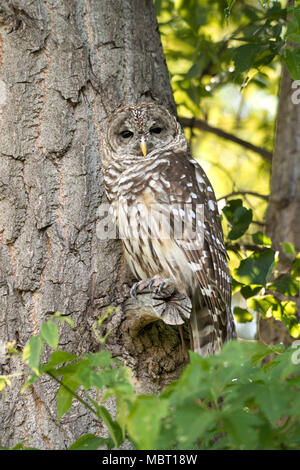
(155, 130)
(126, 134)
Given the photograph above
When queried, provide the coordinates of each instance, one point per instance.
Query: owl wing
(201, 240)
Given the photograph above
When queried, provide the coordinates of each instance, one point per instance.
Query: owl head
(141, 131)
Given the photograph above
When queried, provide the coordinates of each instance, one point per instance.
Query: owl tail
(205, 340)
(206, 336)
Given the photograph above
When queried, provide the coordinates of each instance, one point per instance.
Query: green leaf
(242, 315)
(261, 239)
(257, 268)
(31, 353)
(289, 248)
(189, 10)
(244, 57)
(296, 13)
(295, 270)
(287, 285)
(100, 359)
(263, 305)
(191, 422)
(88, 442)
(144, 421)
(32, 378)
(64, 319)
(198, 67)
(241, 427)
(250, 291)
(292, 60)
(113, 427)
(65, 396)
(58, 357)
(49, 332)
(239, 218)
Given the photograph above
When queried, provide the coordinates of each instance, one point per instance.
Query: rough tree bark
(283, 221)
(64, 66)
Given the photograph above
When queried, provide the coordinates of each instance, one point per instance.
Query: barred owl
(167, 216)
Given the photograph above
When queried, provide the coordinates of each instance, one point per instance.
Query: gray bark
(65, 66)
(283, 221)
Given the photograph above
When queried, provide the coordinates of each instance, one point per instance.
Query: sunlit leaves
(244, 57)
(32, 352)
(144, 420)
(89, 442)
(287, 285)
(288, 248)
(292, 60)
(49, 332)
(257, 268)
(238, 217)
(242, 315)
(65, 395)
(190, 11)
(261, 239)
(226, 401)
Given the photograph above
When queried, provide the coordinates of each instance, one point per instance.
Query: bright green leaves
(227, 10)
(245, 57)
(227, 401)
(287, 285)
(257, 268)
(199, 417)
(256, 271)
(292, 54)
(292, 61)
(262, 39)
(49, 332)
(189, 10)
(89, 442)
(242, 315)
(288, 248)
(144, 421)
(286, 311)
(65, 394)
(239, 218)
(260, 238)
(32, 352)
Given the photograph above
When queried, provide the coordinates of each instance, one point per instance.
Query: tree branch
(245, 247)
(244, 193)
(204, 126)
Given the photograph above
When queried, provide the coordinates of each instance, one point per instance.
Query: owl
(167, 216)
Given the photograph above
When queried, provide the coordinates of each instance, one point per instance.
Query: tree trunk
(65, 66)
(283, 221)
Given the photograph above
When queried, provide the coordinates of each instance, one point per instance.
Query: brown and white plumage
(167, 216)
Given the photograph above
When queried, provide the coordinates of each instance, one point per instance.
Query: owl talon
(153, 286)
(161, 287)
(133, 290)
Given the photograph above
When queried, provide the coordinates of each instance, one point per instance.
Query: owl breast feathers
(167, 216)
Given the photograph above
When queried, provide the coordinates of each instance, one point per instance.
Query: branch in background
(204, 126)
(245, 247)
(257, 222)
(245, 193)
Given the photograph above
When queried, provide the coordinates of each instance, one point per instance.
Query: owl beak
(143, 146)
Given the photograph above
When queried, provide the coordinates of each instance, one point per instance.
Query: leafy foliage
(237, 399)
(227, 401)
(255, 274)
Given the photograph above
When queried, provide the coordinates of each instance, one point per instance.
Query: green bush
(227, 401)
